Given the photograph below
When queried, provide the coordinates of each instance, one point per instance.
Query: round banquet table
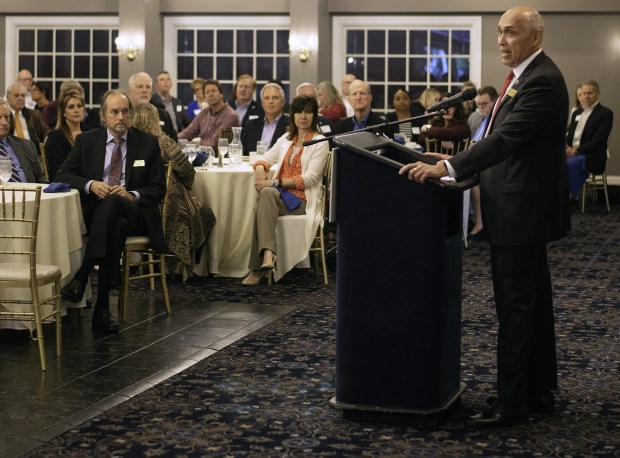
(60, 242)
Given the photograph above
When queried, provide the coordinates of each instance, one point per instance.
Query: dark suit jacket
(346, 125)
(28, 159)
(86, 162)
(255, 109)
(37, 129)
(253, 129)
(522, 162)
(179, 113)
(593, 142)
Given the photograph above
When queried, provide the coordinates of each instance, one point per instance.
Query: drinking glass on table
(6, 168)
(191, 152)
(261, 147)
(222, 146)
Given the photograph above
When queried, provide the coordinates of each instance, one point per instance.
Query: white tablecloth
(59, 241)
(230, 192)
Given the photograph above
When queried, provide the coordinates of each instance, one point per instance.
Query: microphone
(467, 94)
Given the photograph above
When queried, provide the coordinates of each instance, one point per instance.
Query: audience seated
(141, 91)
(60, 141)
(300, 172)
(40, 93)
(242, 102)
(587, 136)
(91, 119)
(363, 116)
(164, 100)
(272, 125)
(119, 197)
(401, 101)
(24, 77)
(27, 166)
(485, 100)
(189, 220)
(308, 89)
(27, 123)
(469, 106)
(196, 105)
(208, 123)
(330, 103)
(448, 128)
(428, 97)
(344, 94)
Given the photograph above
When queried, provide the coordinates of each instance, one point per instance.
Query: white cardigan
(313, 159)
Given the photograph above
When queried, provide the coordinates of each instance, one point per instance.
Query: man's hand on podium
(419, 171)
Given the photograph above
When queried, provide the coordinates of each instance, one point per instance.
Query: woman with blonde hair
(330, 103)
(189, 220)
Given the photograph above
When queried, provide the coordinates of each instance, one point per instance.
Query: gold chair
(19, 222)
(318, 244)
(437, 146)
(148, 258)
(43, 158)
(592, 185)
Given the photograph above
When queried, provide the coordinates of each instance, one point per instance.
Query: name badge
(139, 163)
(512, 92)
(325, 129)
(179, 108)
(252, 117)
(415, 130)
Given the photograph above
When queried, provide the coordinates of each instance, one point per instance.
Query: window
(55, 49)
(413, 52)
(224, 48)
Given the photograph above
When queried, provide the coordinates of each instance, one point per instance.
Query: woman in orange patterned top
(300, 172)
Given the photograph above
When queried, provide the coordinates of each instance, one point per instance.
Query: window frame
(340, 25)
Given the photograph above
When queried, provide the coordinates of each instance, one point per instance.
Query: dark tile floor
(97, 372)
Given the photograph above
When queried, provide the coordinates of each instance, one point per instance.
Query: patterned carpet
(267, 395)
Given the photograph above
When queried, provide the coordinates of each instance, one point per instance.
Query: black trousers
(526, 357)
(109, 223)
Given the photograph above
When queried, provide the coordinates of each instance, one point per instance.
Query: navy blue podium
(398, 319)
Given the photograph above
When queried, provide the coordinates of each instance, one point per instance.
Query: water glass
(191, 152)
(261, 148)
(234, 153)
(6, 168)
(222, 146)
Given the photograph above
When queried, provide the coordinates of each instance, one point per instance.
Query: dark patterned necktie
(116, 164)
(14, 174)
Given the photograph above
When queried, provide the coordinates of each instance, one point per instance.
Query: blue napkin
(291, 201)
(58, 187)
(201, 158)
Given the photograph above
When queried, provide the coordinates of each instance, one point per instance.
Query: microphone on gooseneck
(444, 104)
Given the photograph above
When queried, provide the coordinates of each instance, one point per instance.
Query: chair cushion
(20, 271)
(138, 240)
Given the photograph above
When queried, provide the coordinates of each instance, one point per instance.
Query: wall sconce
(301, 47)
(129, 48)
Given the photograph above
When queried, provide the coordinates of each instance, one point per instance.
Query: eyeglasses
(114, 112)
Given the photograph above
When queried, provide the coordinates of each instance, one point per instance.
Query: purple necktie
(116, 164)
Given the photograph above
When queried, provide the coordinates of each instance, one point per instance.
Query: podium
(398, 287)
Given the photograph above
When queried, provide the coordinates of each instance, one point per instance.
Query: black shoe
(74, 291)
(540, 404)
(103, 322)
(499, 415)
